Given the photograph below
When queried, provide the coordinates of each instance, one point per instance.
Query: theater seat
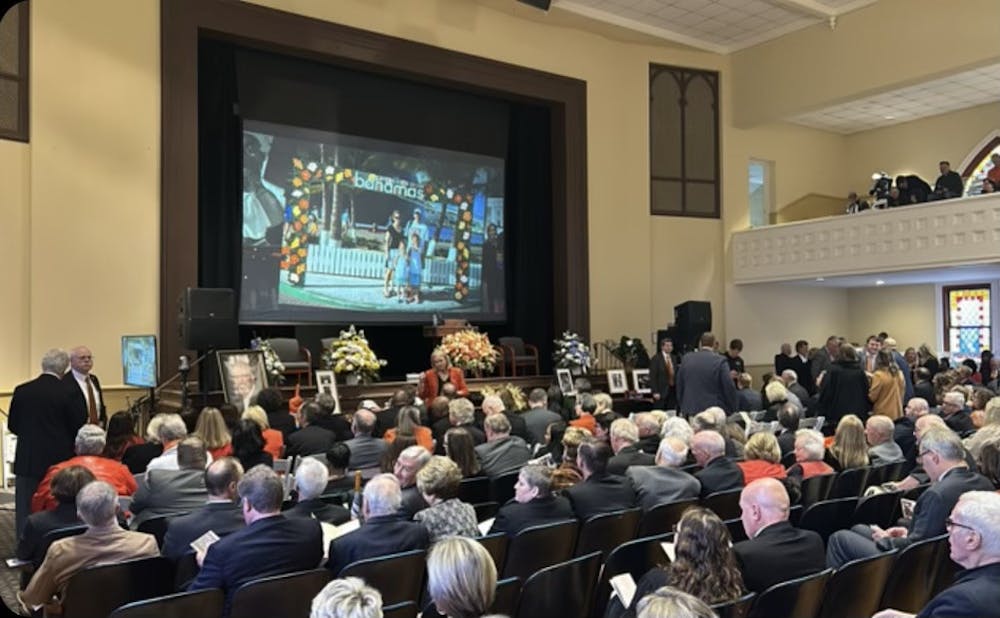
(398, 577)
(281, 595)
(120, 583)
(180, 605)
(796, 598)
(564, 589)
(537, 547)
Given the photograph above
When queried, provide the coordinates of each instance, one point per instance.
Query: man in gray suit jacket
(173, 492)
(365, 450)
(703, 380)
(539, 417)
(879, 432)
(824, 358)
(501, 452)
(664, 482)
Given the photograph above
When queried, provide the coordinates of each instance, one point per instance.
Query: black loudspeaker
(693, 316)
(538, 4)
(208, 319)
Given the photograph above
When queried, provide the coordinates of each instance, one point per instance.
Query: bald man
(84, 387)
(904, 426)
(775, 551)
(882, 449)
(365, 450)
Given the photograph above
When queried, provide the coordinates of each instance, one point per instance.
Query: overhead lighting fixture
(880, 282)
(889, 117)
(820, 279)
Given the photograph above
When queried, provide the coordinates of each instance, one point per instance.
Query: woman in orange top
(763, 458)
(211, 428)
(408, 424)
(809, 453)
(441, 372)
(274, 441)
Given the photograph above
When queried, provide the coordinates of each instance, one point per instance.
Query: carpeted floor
(8, 544)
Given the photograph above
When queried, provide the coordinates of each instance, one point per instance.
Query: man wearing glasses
(943, 458)
(975, 547)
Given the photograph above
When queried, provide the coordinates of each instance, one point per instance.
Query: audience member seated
(649, 425)
(311, 438)
(248, 445)
(214, 433)
(624, 442)
(809, 451)
(989, 431)
(955, 414)
(715, 419)
(337, 460)
(567, 474)
(462, 414)
(599, 492)
(66, 484)
(538, 416)
(763, 458)
(718, 472)
(904, 428)
(747, 399)
(775, 551)
(790, 378)
(310, 481)
(981, 397)
(386, 419)
(270, 544)
(461, 578)
(274, 441)
(407, 465)
(408, 424)
(276, 408)
(584, 412)
(460, 448)
(439, 421)
(669, 602)
(173, 492)
(882, 448)
(171, 431)
(348, 597)
(844, 388)
(137, 457)
(664, 482)
(704, 565)
(776, 396)
(89, 445)
(502, 452)
(494, 404)
(120, 436)
(849, 448)
(922, 385)
(446, 515)
(386, 529)
(104, 542)
(788, 424)
(533, 504)
(988, 462)
(365, 449)
(330, 419)
(221, 514)
(943, 459)
(974, 545)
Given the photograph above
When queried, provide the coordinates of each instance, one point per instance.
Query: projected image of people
(337, 226)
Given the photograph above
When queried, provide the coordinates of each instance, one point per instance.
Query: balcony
(925, 236)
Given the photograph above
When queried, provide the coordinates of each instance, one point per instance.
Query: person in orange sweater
(586, 405)
(809, 453)
(433, 381)
(408, 424)
(90, 442)
(763, 458)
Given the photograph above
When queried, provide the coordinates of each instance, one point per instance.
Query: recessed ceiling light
(820, 279)
(880, 282)
(889, 117)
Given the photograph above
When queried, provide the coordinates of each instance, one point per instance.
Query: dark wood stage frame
(184, 22)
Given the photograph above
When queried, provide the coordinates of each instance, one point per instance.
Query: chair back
(883, 473)
(407, 609)
(849, 483)
(486, 510)
(737, 608)
(855, 589)
(507, 595)
(119, 583)
(816, 488)
(607, 531)
(51, 537)
(180, 605)
(280, 595)
(398, 577)
(564, 589)
(287, 348)
(881, 510)
(515, 343)
(911, 580)
(661, 518)
(796, 598)
(502, 487)
(496, 545)
(916, 492)
(187, 570)
(537, 547)
(474, 490)
(635, 558)
(326, 342)
(725, 504)
(157, 526)
(788, 459)
(736, 531)
(828, 516)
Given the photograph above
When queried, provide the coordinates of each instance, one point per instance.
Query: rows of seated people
(570, 462)
(912, 189)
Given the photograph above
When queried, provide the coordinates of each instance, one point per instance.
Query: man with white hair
(809, 452)
(624, 438)
(104, 542)
(904, 427)
(366, 450)
(172, 431)
(84, 386)
(665, 481)
(718, 472)
(791, 381)
(311, 477)
(385, 530)
(494, 405)
(461, 413)
(890, 344)
(409, 462)
(90, 441)
(43, 417)
(975, 547)
(882, 449)
(648, 424)
(955, 414)
(502, 452)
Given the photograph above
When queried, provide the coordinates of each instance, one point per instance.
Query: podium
(448, 327)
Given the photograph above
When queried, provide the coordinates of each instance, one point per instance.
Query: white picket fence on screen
(366, 264)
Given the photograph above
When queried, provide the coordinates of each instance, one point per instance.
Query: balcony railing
(952, 232)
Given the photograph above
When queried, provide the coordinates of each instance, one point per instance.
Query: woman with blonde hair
(763, 458)
(776, 396)
(990, 430)
(211, 428)
(567, 474)
(274, 440)
(887, 386)
(849, 448)
(461, 578)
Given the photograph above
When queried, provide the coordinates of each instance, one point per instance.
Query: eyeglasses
(950, 523)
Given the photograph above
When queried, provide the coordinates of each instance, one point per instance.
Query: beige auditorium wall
(15, 308)
(907, 312)
(916, 147)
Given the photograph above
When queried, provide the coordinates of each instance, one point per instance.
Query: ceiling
(974, 273)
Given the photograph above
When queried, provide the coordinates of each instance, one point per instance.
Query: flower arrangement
(630, 351)
(515, 393)
(272, 364)
(571, 352)
(470, 350)
(349, 354)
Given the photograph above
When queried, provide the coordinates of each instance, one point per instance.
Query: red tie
(91, 403)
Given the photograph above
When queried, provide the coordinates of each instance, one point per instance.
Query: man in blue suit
(703, 380)
(270, 544)
(222, 515)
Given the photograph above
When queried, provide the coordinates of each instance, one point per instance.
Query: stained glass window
(968, 327)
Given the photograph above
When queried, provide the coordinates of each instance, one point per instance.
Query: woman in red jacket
(441, 372)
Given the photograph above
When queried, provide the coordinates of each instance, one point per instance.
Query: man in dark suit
(385, 529)
(173, 492)
(955, 414)
(624, 442)
(904, 428)
(783, 359)
(270, 544)
(45, 420)
(86, 388)
(222, 515)
(662, 372)
(386, 419)
(664, 482)
(943, 458)
(775, 551)
(311, 438)
(365, 450)
(703, 380)
(923, 387)
(310, 481)
(802, 365)
(823, 360)
(277, 411)
(533, 503)
(328, 418)
(599, 492)
(788, 421)
(718, 472)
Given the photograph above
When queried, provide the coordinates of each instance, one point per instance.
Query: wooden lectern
(448, 327)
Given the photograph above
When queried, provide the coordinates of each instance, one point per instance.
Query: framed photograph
(640, 381)
(243, 375)
(326, 382)
(617, 381)
(565, 377)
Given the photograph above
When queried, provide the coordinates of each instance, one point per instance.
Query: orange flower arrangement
(469, 349)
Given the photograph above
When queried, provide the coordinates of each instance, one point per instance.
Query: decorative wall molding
(954, 232)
